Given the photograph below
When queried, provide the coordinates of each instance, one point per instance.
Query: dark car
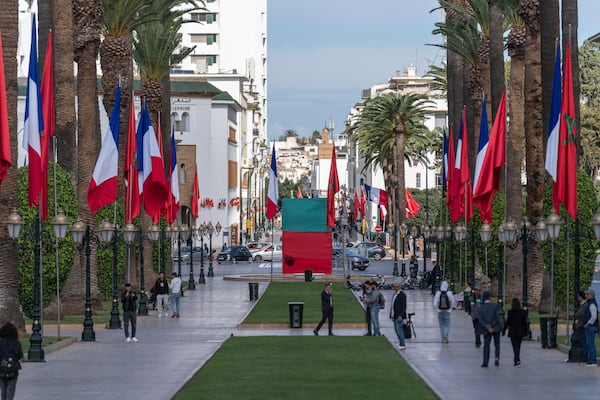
(369, 249)
(235, 253)
(357, 261)
(185, 254)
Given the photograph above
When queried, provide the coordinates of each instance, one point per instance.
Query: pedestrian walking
(398, 313)
(476, 302)
(590, 325)
(367, 292)
(175, 286)
(161, 290)
(444, 302)
(578, 323)
(516, 324)
(11, 354)
(327, 310)
(129, 300)
(489, 319)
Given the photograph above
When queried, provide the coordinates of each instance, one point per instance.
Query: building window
(185, 122)
(418, 181)
(175, 121)
(182, 174)
(438, 181)
(232, 135)
(209, 18)
(232, 174)
(203, 38)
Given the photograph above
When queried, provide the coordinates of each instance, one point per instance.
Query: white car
(268, 253)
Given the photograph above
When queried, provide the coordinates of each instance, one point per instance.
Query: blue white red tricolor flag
(103, 185)
(173, 202)
(376, 195)
(273, 192)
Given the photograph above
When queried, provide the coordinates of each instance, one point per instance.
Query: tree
(384, 128)
(315, 137)
(288, 133)
(9, 273)
(589, 63)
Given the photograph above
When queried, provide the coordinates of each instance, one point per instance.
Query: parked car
(256, 246)
(357, 261)
(235, 253)
(268, 253)
(369, 249)
(185, 254)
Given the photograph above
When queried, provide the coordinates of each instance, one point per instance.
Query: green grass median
(339, 367)
(272, 308)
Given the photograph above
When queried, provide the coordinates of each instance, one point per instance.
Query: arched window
(185, 122)
(175, 121)
(182, 173)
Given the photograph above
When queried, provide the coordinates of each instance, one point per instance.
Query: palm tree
(496, 45)
(384, 127)
(9, 272)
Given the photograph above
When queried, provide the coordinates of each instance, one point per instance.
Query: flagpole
(55, 159)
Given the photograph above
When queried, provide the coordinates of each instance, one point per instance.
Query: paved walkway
(170, 351)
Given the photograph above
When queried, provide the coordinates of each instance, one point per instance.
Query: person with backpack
(375, 301)
(11, 353)
(444, 302)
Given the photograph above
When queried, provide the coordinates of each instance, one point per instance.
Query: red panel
(306, 250)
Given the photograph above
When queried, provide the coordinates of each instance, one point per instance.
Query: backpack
(9, 365)
(381, 301)
(444, 303)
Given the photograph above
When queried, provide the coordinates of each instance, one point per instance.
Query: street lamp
(486, 234)
(109, 232)
(82, 236)
(502, 240)
(210, 231)
(553, 224)
(393, 233)
(403, 231)
(190, 241)
(460, 232)
(426, 235)
(200, 232)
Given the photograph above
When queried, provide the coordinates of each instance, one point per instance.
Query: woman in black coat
(10, 355)
(516, 323)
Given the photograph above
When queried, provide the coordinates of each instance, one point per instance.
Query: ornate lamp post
(486, 234)
(109, 233)
(392, 232)
(460, 233)
(200, 232)
(82, 235)
(553, 224)
(210, 231)
(426, 229)
(190, 236)
(502, 239)
(403, 232)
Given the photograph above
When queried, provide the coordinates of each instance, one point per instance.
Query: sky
(323, 53)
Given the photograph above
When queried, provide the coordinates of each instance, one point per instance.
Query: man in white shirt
(175, 286)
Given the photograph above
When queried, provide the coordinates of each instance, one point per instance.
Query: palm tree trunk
(496, 56)
(9, 272)
(401, 179)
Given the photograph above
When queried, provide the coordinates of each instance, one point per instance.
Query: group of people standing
(160, 290)
(585, 326)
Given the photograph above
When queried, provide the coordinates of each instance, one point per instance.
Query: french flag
(34, 123)
(483, 145)
(173, 207)
(273, 192)
(103, 186)
(150, 166)
(378, 196)
(445, 159)
(554, 125)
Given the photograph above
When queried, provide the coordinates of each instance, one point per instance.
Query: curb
(56, 346)
(287, 326)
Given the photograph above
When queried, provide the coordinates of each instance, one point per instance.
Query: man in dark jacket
(129, 300)
(590, 325)
(476, 301)
(161, 290)
(327, 309)
(398, 313)
(489, 319)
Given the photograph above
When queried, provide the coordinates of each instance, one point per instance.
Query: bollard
(253, 286)
(296, 314)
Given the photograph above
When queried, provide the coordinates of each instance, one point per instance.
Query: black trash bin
(253, 286)
(308, 276)
(548, 326)
(296, 314)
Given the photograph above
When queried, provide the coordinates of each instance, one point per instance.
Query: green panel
(304, 215)
(209, 39)
(209, 18)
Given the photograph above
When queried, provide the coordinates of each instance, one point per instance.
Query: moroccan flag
(150, 166)
(490, 158)
(34, 123)
(412, 207)
(5, 159)
(333, 187)
(195, 195)
(299, 193)
(173, 202)
(47, 92)
(356, 205)
(273, 190)
(452, 192)
(566, 172)
(132, 203)
(362, 202)
(462, 172)
(103, 186)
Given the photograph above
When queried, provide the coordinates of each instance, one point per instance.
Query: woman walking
(516, 323)
(10, 355)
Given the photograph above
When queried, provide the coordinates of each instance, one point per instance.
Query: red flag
(362, 202)
(487, 177)
(462, 170)
(333, 187)
(5, 159)
(299, 193)
(132, 203)
(566, 180)
(195, 196)
(356, 205)
(453, 189)
(47, 92)
(412, 207)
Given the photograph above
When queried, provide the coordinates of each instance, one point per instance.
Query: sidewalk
(170, 351)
